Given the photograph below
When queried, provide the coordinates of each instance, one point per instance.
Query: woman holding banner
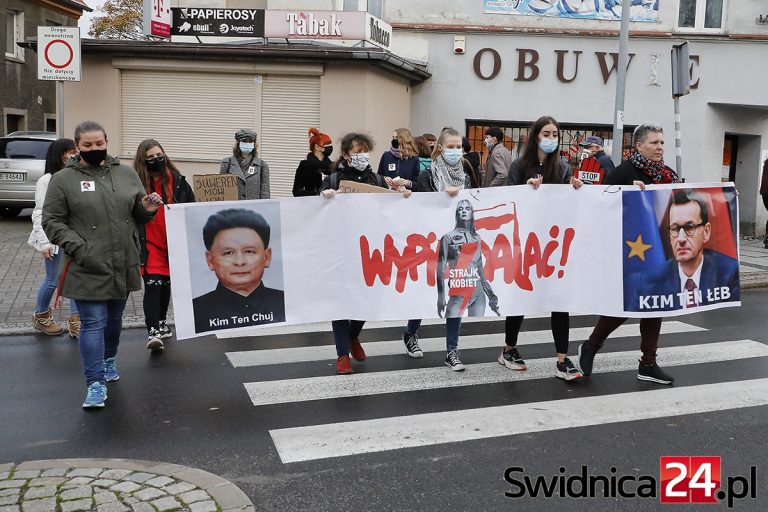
(158, 174)
(541, 163)
(353, 165)
(446, 174)
(645, 166)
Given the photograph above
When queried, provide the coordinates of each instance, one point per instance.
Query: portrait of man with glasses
(694, 276)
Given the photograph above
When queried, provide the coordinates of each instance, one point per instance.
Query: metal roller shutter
(193, 115)
(290, 107)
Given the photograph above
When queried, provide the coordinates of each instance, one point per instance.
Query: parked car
(22, 162)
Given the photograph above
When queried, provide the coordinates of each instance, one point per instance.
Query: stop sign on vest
(590, 171)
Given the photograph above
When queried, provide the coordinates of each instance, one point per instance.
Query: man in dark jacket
(237, 251)
(594, 145)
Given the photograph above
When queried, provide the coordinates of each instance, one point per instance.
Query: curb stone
(104, 485)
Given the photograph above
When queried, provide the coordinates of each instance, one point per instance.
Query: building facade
(515, 68)
(511, 70)
(26, 102)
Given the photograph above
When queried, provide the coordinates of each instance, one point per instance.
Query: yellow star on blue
(638, 248)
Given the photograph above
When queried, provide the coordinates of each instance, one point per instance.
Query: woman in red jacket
(158, 174)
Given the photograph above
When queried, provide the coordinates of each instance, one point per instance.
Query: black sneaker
(652, 373)
(586, 358)
(453, 362)
(512, 360)
(164, 331)
(412, 345)
(567, 371)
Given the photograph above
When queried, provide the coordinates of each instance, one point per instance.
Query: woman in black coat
(317, 165)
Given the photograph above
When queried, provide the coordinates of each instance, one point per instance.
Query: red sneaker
(344, 366)
(356, 349)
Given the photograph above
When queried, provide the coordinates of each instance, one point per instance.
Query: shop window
(516, 135)
(702, 14)
(374, 7)
(14, 31)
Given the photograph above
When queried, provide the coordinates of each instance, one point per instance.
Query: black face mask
(327, 150)
(395, 143)
(156, 164)
(94, 157)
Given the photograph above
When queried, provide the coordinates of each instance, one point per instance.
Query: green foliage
(119, 19)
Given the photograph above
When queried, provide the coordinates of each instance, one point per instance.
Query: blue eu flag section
(641, 238)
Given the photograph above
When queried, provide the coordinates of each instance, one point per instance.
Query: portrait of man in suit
(694, 276)
(237, 251)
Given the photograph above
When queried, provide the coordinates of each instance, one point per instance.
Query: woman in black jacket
(317, 165)
(645, 166)
(158, 174)
(541, 163)
(354, 164)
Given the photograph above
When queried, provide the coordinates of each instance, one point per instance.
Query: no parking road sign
(58, 53)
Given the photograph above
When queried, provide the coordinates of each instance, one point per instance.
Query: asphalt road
(189, 406)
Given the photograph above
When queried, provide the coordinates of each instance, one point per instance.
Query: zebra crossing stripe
(378, 435)
(417, 379)
(385, 348)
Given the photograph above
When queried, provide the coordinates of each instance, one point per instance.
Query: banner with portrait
(639, 10)
(491, 252)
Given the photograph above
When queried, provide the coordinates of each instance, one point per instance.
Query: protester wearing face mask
(158, 174)
(448, 173)
(92, 208)
(498, 160)
(400, 165)
(252, 172)
(59, 153)
(541, 163)
(311, 171)
(353, 165)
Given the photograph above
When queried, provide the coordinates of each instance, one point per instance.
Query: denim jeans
(343, 332)
(452, 329)
(48, 286)
(100, 326)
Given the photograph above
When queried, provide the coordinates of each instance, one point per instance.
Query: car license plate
(12, 176)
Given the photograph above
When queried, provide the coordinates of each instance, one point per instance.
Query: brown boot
(73, 326)
(44, 322)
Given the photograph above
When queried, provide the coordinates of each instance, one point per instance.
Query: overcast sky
(85, 20)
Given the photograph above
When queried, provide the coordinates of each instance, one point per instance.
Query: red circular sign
(68, 49)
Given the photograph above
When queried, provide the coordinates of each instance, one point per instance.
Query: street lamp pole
(621, 80)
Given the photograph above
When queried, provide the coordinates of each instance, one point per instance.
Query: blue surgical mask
(452, 156)
(247, 147)
(548, 145)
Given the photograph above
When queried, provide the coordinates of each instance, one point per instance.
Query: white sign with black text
(58, 54)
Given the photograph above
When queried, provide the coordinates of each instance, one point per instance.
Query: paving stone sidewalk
(115, 485)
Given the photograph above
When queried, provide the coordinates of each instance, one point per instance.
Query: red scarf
(657, 171)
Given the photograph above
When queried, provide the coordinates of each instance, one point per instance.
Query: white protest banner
(502, 251)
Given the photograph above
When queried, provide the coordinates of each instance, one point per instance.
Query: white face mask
(360, 160)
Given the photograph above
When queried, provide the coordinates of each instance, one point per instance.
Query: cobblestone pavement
(115, 485)
(21, 272)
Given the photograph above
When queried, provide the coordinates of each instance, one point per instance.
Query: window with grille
(571, 135)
